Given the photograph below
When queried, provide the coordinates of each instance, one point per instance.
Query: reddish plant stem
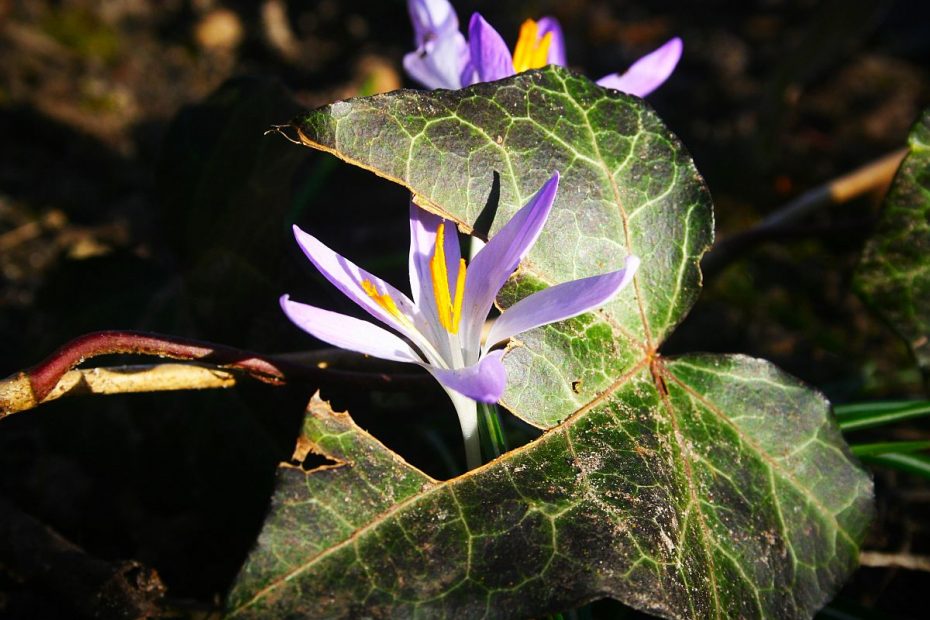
(45, 375)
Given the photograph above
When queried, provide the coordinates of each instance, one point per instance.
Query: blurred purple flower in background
(443, 321)
(443, 59)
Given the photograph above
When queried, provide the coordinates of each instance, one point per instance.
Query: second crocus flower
(443, 58)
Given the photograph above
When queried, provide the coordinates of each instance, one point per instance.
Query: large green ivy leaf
(706, 486)
(637, 496)
(894, 275)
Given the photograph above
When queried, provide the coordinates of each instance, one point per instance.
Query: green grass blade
(918, 464)
(889, 447)
(856, 416)
(491, 433)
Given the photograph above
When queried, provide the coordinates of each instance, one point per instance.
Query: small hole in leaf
(313, 461)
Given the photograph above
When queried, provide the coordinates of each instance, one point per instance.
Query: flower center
(448, 308)
(531, 52)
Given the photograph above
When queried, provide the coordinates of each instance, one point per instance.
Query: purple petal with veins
(489, 57)
(484, 381)
(647, 73)
(557, 45)
(560, 302)
(500, 257)
(347, 332)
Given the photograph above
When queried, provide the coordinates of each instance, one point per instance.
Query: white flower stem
(467, 410)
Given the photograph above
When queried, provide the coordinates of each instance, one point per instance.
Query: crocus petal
(499, 258)
(432, 19)
(441, 51)
(647, 73)
(557, 46)
(347, 332)
(489, 57)
(560, 302)
(484, 381)
(423, 225)
(439, 63)
(348, 278)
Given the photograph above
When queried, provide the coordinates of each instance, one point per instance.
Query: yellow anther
(459, 294)
(437, 269)
(449, 313)
(383, 299)
(531, 52)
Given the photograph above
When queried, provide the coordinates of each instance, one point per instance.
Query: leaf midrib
(658, 369)
(612, 182)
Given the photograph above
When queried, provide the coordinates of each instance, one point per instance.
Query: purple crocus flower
(444, 60)
(441, 324)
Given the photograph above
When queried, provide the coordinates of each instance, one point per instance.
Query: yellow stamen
(459, 295)
(382, 299)
(437, 269)
(449, 313)
(531, 52)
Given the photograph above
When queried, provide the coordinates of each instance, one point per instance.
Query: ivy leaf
(635, 497)
(627, 187)
(893, 276)
(704, 486)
